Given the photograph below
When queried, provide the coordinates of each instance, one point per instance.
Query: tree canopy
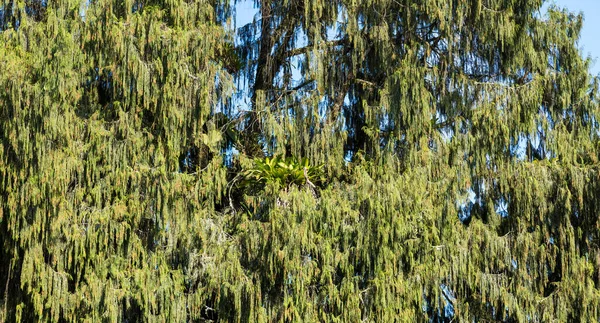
(334, 161)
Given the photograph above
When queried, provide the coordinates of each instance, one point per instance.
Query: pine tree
(100, 100)
(401, 160)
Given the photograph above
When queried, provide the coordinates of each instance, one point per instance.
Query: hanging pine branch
(399, 161)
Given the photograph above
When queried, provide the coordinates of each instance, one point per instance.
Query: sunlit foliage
(395, 160)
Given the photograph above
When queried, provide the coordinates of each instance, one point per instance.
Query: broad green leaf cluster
(282, 171)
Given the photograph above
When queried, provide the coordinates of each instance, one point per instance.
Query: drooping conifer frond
(456, 144)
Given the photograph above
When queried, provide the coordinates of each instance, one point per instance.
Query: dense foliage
(395, 160)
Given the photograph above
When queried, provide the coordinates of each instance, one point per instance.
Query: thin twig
(10, 267)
